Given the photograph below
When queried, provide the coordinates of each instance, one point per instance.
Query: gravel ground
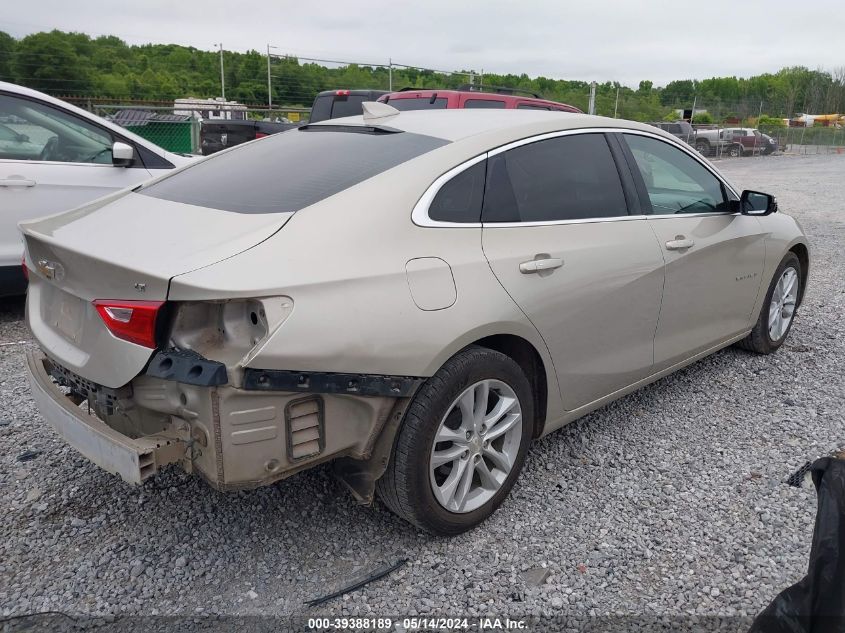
(669, 501)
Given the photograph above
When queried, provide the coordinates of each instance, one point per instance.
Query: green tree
(49, 62)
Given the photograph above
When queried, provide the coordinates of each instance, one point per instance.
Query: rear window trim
(420, 216)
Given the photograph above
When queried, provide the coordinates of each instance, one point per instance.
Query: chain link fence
(177, 127)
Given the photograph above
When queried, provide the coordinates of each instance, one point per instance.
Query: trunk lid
(123, 247)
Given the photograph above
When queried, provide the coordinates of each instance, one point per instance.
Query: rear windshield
(337, 106)
(290, 170)
(419, 103)
(348, 106)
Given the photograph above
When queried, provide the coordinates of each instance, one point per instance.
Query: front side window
(570, 177)
(36, 131)
(674, 180)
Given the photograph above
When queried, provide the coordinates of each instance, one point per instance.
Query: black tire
(759, 340)
(703, 148)
(735, 151)
(405, 487)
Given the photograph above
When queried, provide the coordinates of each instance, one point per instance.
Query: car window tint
(347, 106)
(459, 200)
(419, 103)
(674, 180)
(566, 178)
(321, 109)
(290, 170)
(530, 106)
(42, 132)
(484, 103)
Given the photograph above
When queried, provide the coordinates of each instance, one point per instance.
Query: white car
(54, 157)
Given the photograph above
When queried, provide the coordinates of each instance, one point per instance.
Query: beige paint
(356, 285)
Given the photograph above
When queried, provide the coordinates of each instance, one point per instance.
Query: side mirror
(122, 154)
(757, 203)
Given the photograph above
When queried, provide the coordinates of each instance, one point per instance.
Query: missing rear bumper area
(133, 459)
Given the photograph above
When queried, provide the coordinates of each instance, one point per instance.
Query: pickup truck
(681, 130)
(734, 141)
(217, 134)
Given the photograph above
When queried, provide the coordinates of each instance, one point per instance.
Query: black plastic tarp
(816, 604)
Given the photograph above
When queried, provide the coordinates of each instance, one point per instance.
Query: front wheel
(462, 443)
(778, 309)
(703, 148)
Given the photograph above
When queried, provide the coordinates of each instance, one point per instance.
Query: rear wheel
(462, 443)
(778, 309)
(735, 151)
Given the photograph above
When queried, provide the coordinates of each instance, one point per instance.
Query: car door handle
(17, 182)
(679, 243)
(536, 265)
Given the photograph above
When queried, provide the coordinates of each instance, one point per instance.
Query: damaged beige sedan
(413, 297)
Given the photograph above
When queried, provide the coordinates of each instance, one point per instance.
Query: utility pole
(269, 83)
(390, 74)
(222, 80)
(616, 105)
(591, 109)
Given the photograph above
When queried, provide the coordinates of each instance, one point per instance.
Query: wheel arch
(524, 354)
(803, 253)
(523, 344)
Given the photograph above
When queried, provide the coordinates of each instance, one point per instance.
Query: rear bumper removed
(236, 438)
(134, 460)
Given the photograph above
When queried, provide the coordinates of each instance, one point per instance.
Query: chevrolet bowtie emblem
(51, 270)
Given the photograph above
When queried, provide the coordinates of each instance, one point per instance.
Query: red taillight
(342, 93)
(260, 135)
(133, 321)
(25, 269)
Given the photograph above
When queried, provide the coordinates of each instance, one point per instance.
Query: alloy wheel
(476, 446)
(783, 302)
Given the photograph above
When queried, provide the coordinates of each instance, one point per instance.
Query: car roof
(504, 125)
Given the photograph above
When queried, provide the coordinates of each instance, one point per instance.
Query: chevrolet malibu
(411, 296)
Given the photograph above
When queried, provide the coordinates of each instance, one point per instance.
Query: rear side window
(291, 170)
(529, 106)
(566, 178)
(419, 103)
(484, 103)
(459, 200)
